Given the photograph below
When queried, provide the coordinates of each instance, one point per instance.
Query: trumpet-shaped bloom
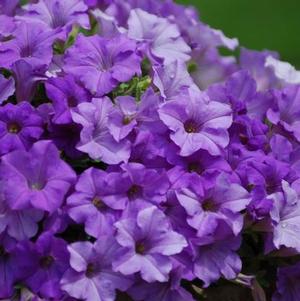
(147, 247)
(36, 178)
(197, 123)
(101, 63)
(95, 138)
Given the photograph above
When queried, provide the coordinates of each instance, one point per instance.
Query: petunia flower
(7, 88)
(91, 276)
(65, 94)
(95, 137)
(20, 127)
(31, 43)
(288, 280)
(95, 202)
(221, 203)
(58, 14)
(37, 178)
(286, 112)
(51, 261)
(161, 39)
(147, 244)
(196, 123)
(285, 216)
(101, 63)
(172, 78)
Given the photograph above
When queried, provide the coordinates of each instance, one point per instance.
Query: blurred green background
(258, 24)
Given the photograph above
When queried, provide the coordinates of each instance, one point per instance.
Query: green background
(258, 24)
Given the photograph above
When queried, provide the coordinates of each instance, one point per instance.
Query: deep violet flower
(146, 247)
(197, 123)
(91, 276)
(109, 62)
(288, 288)
(37, 178)
(20, 127)
(166, 291)
(95, 137)
(51, 262)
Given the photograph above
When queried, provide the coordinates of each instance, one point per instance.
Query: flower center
(134, 191)
(98, 203)
(36, 186)
(13, 128)
(191, 126)
(209, 205)
(244, 139)
(3, 253)
(91, 270)
(46, 262)
(127, 119)
(140, 248)
(195, 167)
(72, 101)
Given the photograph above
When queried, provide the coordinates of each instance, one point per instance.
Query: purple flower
(211, 68)
(109, 62)
(58, 14)
(166, 291)
(171, 79)
(65, 94)
(37, 178)
(8, 7)
(15, 264)
(283, 71)
(95, 202)
(7, 87)
(20, 127)
(161, 39)
(95, 137)
(32, 43)
(286, 111)
(19, 224)
(197, 123)
(7, 26)
(285, 216)
(146, 248)
(288, 284)
(27, 77)
(217, 259)
(51, 262)
(8, 268)
(91, 276)
(66, 137)
(219, 204)
(130, 114)
(140, 186)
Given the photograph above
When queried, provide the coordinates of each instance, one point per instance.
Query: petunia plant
(140, 163)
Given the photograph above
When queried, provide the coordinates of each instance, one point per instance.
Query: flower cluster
(139, 163)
